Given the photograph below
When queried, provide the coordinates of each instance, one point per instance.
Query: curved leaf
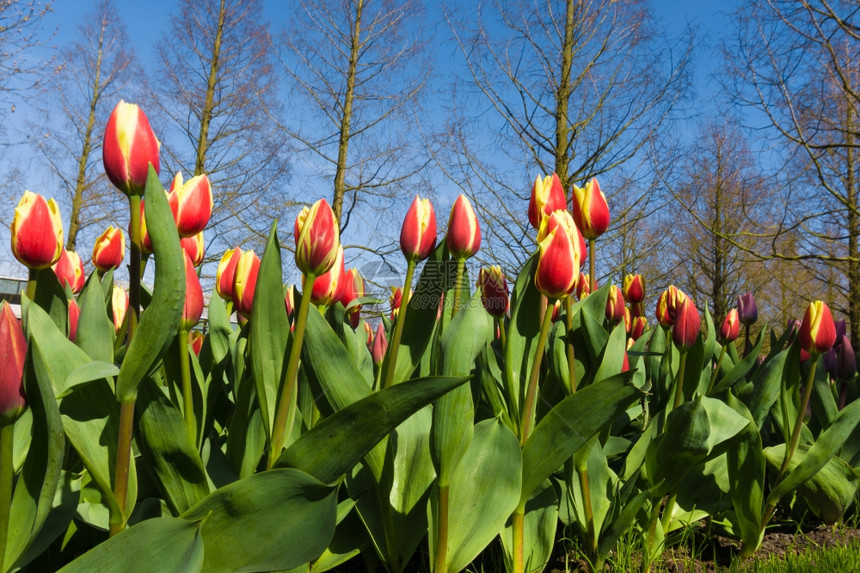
(160, 321)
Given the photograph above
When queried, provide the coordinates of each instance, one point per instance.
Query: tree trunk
(209, 103)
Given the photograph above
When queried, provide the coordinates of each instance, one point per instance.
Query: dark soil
(716, 553)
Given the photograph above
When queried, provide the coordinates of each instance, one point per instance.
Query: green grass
(839, 559)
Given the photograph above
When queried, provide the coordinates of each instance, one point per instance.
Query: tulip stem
(518, 526)
(716, 369)
(286, 412)
(503, 337)
(585, 486)
(134, 267)
(798, 424)
(461, 266)
(7, 432)
(32, 281)
(187, 396)
(571, 364)
(593, 279)
(679, 381)
(441, 557)
(531, 394)
(123, 461)
(394, 347)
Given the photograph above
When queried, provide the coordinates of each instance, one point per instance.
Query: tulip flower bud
(494, 290)
(289, 300)
(368, 332)
(129, 148)
(846, 361)
(731, 327)
(590, 210)
(583, 286)
(109, 249)
(226, 273)
(194, 247)
(747, 310)
(119, 306)
(625, 366)
(380, 346)
(464, 231)
(547, 196)
(195, 339)
(556, 311)
(614, 305)
(634, 288)
(841, 330)
(70, 271)
(37, 231)
(191, 203)
(418, 233)
(557, 272)
(829, 360)
(74, 316)
(317, 239)
(244, 282)
(817, 332)
(328, 287)
(353, 288)
(13, 351)
(193, 309)
(687, 325)
(639, 326)
(145, 245)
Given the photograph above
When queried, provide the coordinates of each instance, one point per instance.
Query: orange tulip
(70, 271)
(109, 249)
(129, 148)
(37, 231)
(590, 210)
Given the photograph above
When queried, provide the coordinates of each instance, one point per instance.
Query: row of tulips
(311, 432)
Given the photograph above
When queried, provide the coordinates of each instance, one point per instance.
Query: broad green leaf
(767, 384)
(95, 370)
(59, 518)
(483, 493)
(337, 443)
(162, 544)
(40, 476)
(522, 335)
(269, 521)
(746, 464)
(160, 321)
(51, 297)
(246, 436)
(570, 424)
(826, 446)
(219, 329)
(453, 414)
(269, 328)
(61, 356)
(613, 354)
(90, 417)
(167, 451)
(350, 539)
(96, 333)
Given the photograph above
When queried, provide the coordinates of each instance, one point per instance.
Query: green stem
(652, 534)
(571, 364)
(518, 525)
(394, 343)
(441, 558)
(591, 252)
(589, 511)
(31, 284)
(187, 396)
(123, 461)
(798, 424)
(679, 381)
(134, 267)
(667, 512)
(716, 370)
(503, 337)
(286, 411)
(461, 266)
(531, 394)
(7, 471)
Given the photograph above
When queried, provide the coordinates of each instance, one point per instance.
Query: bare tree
(215, 90)
(19, 29)
(576, 87)
(795, 62)
(357, 73)
(91, 76)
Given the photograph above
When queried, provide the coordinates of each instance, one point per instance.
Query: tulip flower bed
(313, 433)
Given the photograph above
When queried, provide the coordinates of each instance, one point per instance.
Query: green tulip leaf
(334, 445)
(522, 336)
(61, 356)
(162, 544)
(825, 447)
(269, 329)
(167, 450)
(269, 521)
(539, 527)
(746, 463)
(219, 329)
(483, 493)
(740, 369)
(570, 424)
(51, 297)
(160, 321)
(613, 355)
(767, 384)
(96, 333)
(95, 370)
(40, 475)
